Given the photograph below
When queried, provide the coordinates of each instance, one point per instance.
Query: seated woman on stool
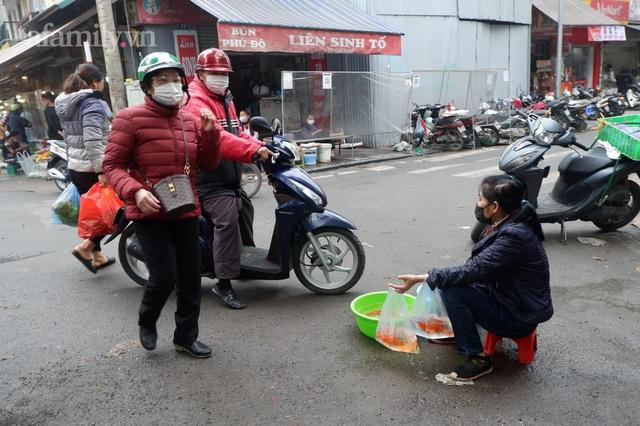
(504, 286)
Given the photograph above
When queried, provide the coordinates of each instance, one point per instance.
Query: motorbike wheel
(62, 168)
(251, 179)
(134, 268)
(490, 137)
(345, 258)
(457, 141)
(626, 197)
(580, 124)
(477, 231)
(620, 110)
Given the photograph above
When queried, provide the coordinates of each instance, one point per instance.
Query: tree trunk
(111, 55)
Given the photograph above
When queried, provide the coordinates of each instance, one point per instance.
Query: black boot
(227, 296)
(148, 338)
(196, 349)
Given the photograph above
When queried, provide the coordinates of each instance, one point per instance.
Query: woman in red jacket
(145, 146)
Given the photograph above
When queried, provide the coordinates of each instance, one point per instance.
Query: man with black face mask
(220, 190)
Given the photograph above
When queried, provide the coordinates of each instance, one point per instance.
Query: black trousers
(83, 181)
(172, 254)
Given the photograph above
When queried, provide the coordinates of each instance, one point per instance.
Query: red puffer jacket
(148, 138)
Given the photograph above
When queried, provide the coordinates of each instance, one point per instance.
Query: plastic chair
(527, 346)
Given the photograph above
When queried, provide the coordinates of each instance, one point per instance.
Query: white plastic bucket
(324, 153)
(310, 155)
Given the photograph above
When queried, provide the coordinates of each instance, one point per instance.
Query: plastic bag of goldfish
(399, 326)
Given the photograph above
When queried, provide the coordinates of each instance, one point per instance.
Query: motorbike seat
(573, 167)
(557, 104)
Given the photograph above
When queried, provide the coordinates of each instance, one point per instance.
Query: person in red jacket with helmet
(220, 190)
(147, 144)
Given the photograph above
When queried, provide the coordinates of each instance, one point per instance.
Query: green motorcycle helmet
(157, 61)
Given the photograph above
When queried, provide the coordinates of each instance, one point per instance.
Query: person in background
(146, 145)
(220, 190)
(83, 117)
(54, 128)
(245, 126)
(310, 130)
(17, 123)
(504, 286)
(13, 146)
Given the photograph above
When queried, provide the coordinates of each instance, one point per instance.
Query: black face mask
(480, 216)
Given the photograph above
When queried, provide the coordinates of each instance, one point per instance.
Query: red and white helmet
(213, 60)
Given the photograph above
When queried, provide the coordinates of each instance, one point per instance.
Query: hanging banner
(252, 38)
(614, 9)
(186, 44)
(607, 33)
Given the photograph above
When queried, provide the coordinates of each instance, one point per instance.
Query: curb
(358, 163)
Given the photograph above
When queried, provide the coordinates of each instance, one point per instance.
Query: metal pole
(559, 49)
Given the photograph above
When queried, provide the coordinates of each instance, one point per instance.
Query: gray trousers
(232, 220)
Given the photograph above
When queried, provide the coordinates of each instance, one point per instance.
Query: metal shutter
(208, 36)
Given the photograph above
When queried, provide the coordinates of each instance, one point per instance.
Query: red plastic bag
(98, 208)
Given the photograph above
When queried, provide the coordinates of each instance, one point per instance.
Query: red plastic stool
(527, 346)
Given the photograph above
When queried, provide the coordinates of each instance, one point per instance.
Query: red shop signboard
(169, 12)
(186, 44)
(614, 9)
(252, 38)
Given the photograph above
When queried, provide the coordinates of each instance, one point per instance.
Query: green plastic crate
(623, 132)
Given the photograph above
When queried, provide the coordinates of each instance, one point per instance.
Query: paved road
(69, 351)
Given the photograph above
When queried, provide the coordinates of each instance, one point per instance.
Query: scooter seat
(573, 167)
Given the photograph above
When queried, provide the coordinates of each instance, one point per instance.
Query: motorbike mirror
(260, 125)
(276, 126)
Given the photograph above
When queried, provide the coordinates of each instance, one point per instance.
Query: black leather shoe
(148, 338)
(196, 350)
(228, 298)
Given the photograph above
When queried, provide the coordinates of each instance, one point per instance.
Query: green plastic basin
(366, 303)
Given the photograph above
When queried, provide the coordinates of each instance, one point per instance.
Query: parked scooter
(57, 165)
(318, 244)
(559, 110)
(591, 187)
(433, 128)
(633, 96)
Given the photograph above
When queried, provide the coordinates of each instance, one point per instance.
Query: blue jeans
(471, 305)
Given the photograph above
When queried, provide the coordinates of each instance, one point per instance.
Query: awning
(301, 26)
(576, 13)
(40, 39)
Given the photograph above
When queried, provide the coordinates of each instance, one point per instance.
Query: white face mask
(310, 122)
(169, 94)
(244, 118)
(217, 83)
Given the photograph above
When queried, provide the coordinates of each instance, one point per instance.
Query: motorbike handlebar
(579, 145)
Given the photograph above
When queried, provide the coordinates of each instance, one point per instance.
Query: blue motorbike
(318, 244)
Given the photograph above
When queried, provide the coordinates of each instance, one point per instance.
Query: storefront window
(577, 65)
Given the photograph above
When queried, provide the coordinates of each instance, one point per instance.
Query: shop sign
(186, 44)
(607, 33)
(614, 9)
(171, 12)
(251, 38)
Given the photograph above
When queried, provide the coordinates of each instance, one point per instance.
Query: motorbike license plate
(478, 129)
(461, 129)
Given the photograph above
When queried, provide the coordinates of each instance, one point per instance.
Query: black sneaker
(475, 366)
